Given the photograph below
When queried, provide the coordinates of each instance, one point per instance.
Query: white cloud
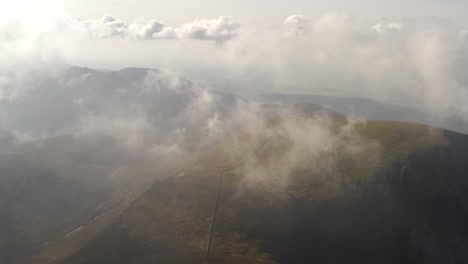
(147, 30)
(105, 27)
(420, 67)
(220, 29)
(297, 24)
(388, 27)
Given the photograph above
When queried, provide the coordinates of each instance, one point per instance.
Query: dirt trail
(215, 211)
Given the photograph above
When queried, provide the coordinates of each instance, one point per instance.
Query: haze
(405, 53)
(233, 131)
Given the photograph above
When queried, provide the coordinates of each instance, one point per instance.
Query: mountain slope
(409, 206)
(78, 146)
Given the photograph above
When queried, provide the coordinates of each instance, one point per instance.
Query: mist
(409, 61)
(153, 114)
(96, 111)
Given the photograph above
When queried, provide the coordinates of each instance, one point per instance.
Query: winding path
(215, 211)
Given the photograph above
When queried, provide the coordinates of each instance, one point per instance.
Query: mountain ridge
(133, 239)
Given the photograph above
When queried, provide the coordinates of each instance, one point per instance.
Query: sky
(412, 53)
(179, 11)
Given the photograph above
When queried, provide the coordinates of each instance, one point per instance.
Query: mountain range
(140, 165)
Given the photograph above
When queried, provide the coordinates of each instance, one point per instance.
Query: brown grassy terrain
(405, 203)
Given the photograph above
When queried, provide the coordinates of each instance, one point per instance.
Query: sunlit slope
(401, 200)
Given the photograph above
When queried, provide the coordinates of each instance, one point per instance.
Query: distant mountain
(367, 109)
(53, 104)
(300, 109)
(135, 74)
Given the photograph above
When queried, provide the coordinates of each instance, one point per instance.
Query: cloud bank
(220, 29)
(416, 62)
(410, 62)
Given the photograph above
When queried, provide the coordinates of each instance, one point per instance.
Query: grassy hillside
(57, 194)
(404, 201)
